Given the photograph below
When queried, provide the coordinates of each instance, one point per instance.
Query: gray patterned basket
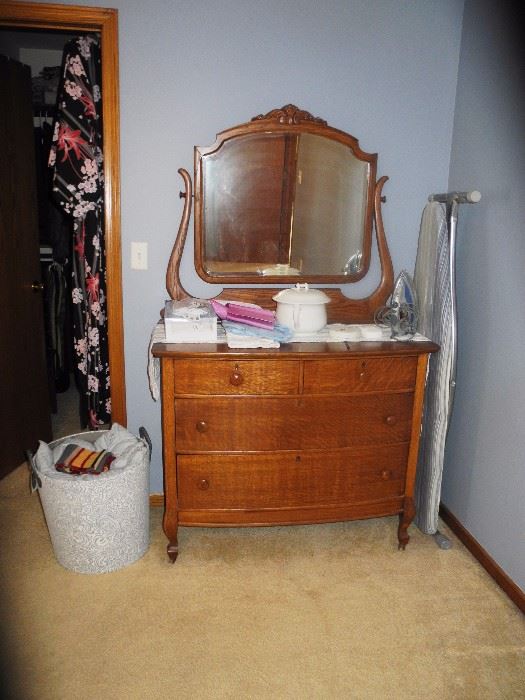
(97, 524)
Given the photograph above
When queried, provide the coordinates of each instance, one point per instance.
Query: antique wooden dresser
(309, 432)
(302, 434)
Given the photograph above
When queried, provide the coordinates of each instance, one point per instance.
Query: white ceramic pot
(301, 308)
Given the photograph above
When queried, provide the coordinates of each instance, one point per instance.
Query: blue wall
(383, 70)
(188, 70)
(484, 475)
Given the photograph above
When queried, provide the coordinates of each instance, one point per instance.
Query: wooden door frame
(71, 18)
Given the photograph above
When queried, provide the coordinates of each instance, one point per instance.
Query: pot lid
(301, 294)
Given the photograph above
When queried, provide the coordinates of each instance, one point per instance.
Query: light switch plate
(139, 256)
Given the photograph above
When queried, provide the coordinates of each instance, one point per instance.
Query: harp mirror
(282, 199)
(283, 195)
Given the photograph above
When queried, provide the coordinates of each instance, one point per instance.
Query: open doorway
(72, 20)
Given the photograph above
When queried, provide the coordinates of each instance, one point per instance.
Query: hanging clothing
(78, 185)
(55, 229)
(433, 288)
(55, 324)
(54, 224)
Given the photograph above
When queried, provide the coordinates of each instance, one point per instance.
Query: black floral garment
(78, 186)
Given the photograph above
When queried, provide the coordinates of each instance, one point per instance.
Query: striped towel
(79, 460)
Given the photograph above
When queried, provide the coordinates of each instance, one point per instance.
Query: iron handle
(37, 287)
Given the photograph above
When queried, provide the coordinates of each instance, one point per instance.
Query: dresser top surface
(297, 350)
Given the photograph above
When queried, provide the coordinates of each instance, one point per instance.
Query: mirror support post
(384, 289)
(173, 284)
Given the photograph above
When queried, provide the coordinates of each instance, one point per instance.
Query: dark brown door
(25, 415)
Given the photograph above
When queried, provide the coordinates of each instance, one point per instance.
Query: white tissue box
(190, 321)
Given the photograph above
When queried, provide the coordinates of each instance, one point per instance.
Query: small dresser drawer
(359, 375)
(241, 377)
(288, 479)
(237, 423)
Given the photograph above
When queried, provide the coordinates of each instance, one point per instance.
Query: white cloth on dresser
(433, 288)
(365, 332)
(158, 335)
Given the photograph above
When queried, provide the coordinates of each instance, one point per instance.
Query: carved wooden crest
(290, 114)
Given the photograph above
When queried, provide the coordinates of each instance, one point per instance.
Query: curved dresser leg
(405, 518)
(173, 550)
(170, 526)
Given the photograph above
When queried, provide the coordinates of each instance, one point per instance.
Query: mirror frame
(287, 120)
(341, 308)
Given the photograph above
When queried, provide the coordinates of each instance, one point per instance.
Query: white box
(190, 321)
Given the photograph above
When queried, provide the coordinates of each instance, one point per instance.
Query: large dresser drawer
(359, 375)
(226, 377)
(288, 480)
(245, 423)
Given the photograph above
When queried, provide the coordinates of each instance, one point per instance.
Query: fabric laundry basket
(97, 522)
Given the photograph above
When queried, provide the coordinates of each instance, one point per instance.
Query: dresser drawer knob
(202, 426)
(386, 474)
(362, 375)
(390, 420)
(203, 484)
(236, 377)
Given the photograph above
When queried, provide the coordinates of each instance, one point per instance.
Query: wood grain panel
(359, 375)
(288, 479)
(253, 517)
(237, 423)
(208, 377)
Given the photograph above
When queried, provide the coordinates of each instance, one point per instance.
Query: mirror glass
(283, 202)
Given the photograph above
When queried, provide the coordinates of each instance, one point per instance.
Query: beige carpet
(328, 612)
